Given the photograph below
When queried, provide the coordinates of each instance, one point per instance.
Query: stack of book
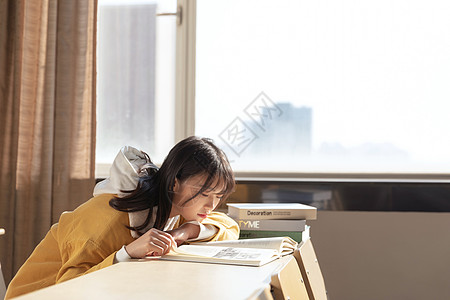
(262, 220)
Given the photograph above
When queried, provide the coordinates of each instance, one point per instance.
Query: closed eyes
(218, 196)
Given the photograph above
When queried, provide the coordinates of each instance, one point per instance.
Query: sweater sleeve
(227, 228)
(206, 231)
(83, 259)
(90, 238)
(83, 241)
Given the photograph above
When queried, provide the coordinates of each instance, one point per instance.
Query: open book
(249, 252)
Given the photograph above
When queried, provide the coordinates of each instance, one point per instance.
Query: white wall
(383, 255)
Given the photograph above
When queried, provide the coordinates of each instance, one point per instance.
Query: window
(136, 79)
(325, 86)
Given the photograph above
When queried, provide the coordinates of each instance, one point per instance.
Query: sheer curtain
(47, 118)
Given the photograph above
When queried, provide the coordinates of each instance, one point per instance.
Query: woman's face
(199, 207)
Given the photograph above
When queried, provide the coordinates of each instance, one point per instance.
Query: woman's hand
(185, 232)
(154, 242)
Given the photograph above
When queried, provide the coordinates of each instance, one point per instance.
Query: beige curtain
(47, 118)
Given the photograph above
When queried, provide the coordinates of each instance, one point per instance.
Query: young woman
(139, 210)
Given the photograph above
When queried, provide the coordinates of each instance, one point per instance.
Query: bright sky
(372, 71)
(375, 71)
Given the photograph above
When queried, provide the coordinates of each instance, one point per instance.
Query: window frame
(185, 63)
(184, 75)
(185, 118)
(185, 70)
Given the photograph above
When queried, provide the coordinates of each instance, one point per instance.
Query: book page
(283, 245)
(288, 246)
(227, 253)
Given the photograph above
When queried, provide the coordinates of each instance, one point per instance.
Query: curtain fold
(47, 118)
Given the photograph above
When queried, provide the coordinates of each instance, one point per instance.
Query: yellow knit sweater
(86, 240)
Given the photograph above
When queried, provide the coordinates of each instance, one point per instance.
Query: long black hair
(190, 157)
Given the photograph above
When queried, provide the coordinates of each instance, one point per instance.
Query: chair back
(288, 283)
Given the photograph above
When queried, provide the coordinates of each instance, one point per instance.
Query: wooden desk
(157, 279)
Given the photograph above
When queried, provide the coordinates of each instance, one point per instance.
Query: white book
(271, 225)
(271, 211)
(250, 252)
